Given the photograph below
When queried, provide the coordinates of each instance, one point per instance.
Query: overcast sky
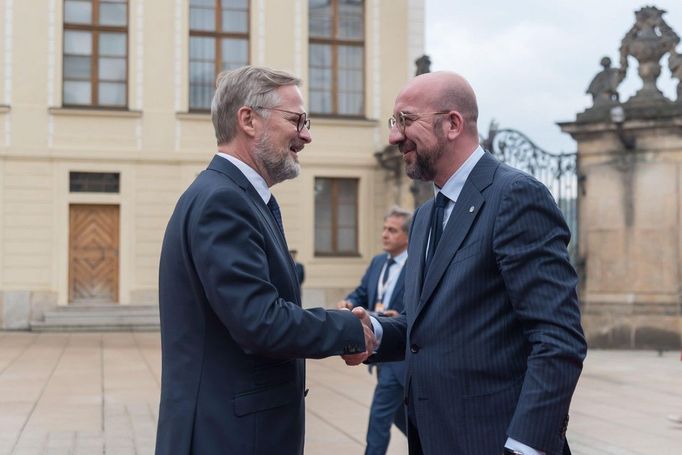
(530, 61)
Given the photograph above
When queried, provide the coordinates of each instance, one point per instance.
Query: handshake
(370, 340)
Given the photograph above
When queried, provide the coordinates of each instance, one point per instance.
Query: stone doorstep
(107, 317)
(103, 327)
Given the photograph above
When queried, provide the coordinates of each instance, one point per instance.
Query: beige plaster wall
(158, 147)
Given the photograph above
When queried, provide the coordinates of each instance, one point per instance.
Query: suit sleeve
(529, 240)
(393, 341)
(229, 252)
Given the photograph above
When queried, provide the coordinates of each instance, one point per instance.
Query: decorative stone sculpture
(423, 65)
(648, 40)
(604, 86)
(675, 65)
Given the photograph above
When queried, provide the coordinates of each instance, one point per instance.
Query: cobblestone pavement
(97, 393)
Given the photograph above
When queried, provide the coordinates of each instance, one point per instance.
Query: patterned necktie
(436, 226)
(276, 212)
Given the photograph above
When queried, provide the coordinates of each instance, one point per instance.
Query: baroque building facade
(104, 121)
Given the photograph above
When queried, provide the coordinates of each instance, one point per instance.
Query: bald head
(444, 91)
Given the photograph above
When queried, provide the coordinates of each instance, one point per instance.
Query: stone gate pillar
(630, 198)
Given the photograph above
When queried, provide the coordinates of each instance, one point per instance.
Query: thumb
(359, 312)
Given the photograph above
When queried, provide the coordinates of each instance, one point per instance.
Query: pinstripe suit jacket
(492, 332)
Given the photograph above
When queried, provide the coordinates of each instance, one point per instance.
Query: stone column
(630, 221)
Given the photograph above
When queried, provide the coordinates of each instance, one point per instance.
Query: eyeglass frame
(302, 122)
(393, 122)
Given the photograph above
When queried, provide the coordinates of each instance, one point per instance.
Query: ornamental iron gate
(556, 171)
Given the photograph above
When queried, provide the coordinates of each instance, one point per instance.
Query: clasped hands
(370, 339)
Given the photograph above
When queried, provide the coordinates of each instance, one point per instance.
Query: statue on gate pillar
(604, 86)
(675, 65)
(647, 41)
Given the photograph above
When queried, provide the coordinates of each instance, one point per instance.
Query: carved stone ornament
(423, 65)
(647, 41)
(604, 86)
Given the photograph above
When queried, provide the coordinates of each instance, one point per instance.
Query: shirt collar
(401, 258)
(251, 175)
(453, 187)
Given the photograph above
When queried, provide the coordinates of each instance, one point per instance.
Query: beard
(424, 165)
(277, 162)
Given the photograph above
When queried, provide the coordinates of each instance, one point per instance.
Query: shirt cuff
(513, 444)
(378, 332)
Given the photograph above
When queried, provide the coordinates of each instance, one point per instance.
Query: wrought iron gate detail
(556, 171)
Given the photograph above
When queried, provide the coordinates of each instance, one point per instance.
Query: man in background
(381, 292)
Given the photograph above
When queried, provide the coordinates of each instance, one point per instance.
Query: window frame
(334, 193)
(335, 42)
(95, 29)
(218, 35)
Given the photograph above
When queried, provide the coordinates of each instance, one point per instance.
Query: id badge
(379, 307)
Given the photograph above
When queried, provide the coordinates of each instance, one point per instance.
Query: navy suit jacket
(492, 333)
(365, 295)
(233, 333)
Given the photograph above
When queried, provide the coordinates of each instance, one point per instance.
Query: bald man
(491, 330)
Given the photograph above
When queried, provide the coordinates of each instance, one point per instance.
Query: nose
(305, 135)
(395, 136)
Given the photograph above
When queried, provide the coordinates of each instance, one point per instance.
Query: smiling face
(421, 142)
(277, 146)
(439, 132)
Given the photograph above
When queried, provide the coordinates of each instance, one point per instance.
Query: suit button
(414, 349)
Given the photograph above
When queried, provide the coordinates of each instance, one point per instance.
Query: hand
(370, 339)
(344, 304)
(390, 314)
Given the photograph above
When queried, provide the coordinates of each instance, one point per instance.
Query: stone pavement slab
(97, 393)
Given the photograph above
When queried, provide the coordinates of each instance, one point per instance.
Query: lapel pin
(471, 209)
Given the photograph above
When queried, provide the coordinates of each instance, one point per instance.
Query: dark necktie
(276, 212)
(384, 278)
(436, 226)
(389, 263)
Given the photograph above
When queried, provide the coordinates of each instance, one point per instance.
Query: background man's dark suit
(388, 373)
(365, 295)
(231, 317)
(492, 334)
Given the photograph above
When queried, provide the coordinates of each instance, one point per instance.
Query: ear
(245, 120)
(455, 125)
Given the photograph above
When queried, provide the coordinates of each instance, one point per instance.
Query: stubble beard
(424, 165)
(277, 162)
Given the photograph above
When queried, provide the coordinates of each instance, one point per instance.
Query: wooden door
(93, 253)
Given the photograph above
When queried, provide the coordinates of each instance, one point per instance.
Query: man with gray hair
(233, 333)
(381, 292)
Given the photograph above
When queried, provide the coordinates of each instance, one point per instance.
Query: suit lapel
(466, 209)
(419, 239)
(374, 282)
(224, 166)
(398, 290)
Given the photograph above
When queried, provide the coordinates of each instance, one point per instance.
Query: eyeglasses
(301, 122)
(405, 119)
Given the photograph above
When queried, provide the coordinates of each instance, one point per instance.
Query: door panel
(93, 253)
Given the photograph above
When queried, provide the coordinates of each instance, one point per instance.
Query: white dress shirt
(393, 274)
(251, 175)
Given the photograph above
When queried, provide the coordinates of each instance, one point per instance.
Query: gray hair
(246, 86)
(406, 215)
